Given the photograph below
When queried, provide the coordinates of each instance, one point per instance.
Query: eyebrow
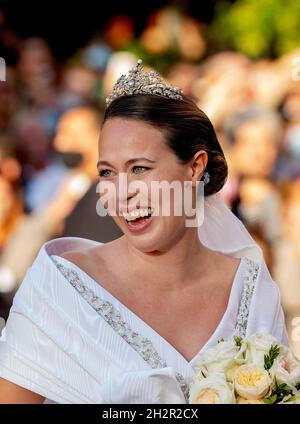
(104, 162)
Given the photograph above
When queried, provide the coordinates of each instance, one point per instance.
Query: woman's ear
(198, 166)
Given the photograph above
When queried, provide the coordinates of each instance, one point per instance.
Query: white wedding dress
(70, 340)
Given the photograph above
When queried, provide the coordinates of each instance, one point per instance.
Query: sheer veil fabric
(55, 344)
(224, 232)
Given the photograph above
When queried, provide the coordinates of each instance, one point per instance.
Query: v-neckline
(231, 300)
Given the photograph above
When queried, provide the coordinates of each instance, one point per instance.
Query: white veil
(222, 231)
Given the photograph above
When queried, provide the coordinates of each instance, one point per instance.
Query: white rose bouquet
(257, 369)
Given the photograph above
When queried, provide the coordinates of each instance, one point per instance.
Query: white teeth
(137, 213)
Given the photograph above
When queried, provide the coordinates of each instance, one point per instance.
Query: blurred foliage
(257, 27)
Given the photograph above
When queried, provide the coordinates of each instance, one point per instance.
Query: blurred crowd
(50, 113)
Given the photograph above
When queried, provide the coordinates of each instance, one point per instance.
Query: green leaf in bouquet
(271, 356)
(271, 399)
(238, 341)
(280, 393)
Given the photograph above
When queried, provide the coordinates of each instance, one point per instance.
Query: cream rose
(211, 390)
(252, 382)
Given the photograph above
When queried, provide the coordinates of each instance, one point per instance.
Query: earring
(206, 178)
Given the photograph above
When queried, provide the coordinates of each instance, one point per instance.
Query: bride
(124, 322)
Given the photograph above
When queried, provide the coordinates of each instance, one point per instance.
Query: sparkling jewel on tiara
(137, 81)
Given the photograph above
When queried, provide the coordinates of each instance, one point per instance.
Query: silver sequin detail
(248, 288)
(142, 345)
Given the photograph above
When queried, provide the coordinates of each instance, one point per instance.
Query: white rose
(258, 346)
(211, 390)
(252, 381)
(217, 359)
(286, 369)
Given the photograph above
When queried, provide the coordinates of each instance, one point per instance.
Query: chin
(148, 241)
(145, 243)
(155, 243)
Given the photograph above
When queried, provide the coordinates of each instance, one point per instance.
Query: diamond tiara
(137, 81)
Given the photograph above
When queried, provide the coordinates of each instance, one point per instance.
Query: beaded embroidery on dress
(248, 288)
(143, 345)
(55, 344)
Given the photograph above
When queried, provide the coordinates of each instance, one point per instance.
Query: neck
(172, 268)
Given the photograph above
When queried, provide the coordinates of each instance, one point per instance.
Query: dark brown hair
(187, 130)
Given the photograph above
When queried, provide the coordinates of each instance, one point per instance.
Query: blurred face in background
(254, 192)
(35, 62)
(255, 148)
(221, 89)
(79, 81)
(183, 75)
(263, 83)
(34, 144)
(78, 131)
(76, 139)
(36, 69)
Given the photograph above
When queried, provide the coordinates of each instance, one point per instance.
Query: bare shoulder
(11, 393)
(100, 254)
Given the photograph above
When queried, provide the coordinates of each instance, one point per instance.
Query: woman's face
(121, 142)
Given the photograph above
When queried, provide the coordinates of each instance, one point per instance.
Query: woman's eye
(103, 173)
(136, 170)
(139, 168)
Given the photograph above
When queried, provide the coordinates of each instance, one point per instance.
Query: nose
(125, 201)
(125, 193)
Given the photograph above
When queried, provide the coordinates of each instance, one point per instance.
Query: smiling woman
(172, 132)
(124, 321)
